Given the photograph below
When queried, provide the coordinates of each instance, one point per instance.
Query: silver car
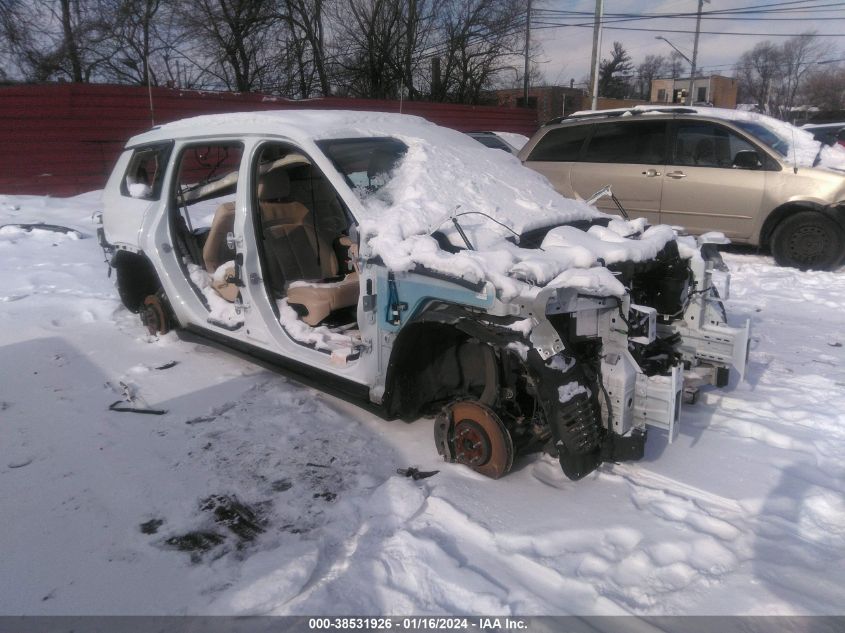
(757, 180)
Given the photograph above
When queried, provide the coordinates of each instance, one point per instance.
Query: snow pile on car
(802, 147)
(444, 176)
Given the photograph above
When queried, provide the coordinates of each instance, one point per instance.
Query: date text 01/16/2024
(416, 623)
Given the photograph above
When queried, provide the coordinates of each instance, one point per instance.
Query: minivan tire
(808, 240)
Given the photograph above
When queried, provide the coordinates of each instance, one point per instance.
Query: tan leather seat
(321, 300)
(222, 282)
(216, 252)
(274, 200)
(299, 254)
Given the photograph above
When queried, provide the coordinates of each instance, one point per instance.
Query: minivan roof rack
(633, 111)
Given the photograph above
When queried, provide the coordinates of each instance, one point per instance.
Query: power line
(758, 9)
(744, 14)
(547, 25)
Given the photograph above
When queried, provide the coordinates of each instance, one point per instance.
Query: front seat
(293, 249)
(705, 153)
(319, 300)
(300, 256)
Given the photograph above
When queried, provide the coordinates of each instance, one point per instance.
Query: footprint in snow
(10, 298)
(20, 463)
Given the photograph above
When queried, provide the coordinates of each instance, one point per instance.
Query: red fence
(63, 139)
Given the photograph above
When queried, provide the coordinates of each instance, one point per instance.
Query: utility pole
(527, 46)
(695, 52)
(594, 64)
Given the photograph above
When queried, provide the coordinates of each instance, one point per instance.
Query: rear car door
(555, 154)
(703, 190)
(629, 156)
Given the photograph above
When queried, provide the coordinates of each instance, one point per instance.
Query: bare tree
(236, 41)
(676, 65)
(50, 39)
(653, 67)
(799, 55)
(306, 22)
(130, 41)
(13, 38)
(442, 49)
(419, 27)
(824, 87)
(758, 72)
(482, 38)
(367, 41)
(536, 77)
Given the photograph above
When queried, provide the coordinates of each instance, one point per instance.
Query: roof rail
(635, 111)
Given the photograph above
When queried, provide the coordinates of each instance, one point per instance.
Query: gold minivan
(705, 170)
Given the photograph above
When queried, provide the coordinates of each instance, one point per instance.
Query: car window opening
(307, 256)
(145, 174)
(202, 220)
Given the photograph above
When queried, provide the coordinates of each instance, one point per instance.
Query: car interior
(303, 231)
(308, 259)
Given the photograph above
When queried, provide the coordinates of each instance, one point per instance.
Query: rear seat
(216, 252)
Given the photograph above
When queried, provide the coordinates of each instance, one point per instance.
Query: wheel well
(434, 363)
(136, 278)
(782, 212)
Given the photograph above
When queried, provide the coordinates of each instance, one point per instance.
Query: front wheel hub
(470, 433)
(153, 317)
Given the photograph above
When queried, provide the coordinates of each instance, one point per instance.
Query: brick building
(550, 101)
(716, 90)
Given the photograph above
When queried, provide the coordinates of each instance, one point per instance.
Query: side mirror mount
(747, 159)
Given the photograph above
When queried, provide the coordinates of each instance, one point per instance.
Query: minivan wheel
(809, 241)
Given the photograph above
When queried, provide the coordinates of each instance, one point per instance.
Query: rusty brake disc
(479, 439)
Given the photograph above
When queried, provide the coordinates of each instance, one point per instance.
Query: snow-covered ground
(295, 497)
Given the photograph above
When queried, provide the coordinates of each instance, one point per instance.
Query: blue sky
(566, 51)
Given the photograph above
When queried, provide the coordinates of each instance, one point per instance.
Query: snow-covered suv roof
(445, 173)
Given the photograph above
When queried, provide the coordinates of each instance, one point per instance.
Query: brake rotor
(152, 315)
(479, 439)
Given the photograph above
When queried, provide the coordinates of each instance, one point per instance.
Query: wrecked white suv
(406, 266)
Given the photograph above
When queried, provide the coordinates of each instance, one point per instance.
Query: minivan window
(705, 144)
(764, 134)
(641, 142)
(561, 145)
